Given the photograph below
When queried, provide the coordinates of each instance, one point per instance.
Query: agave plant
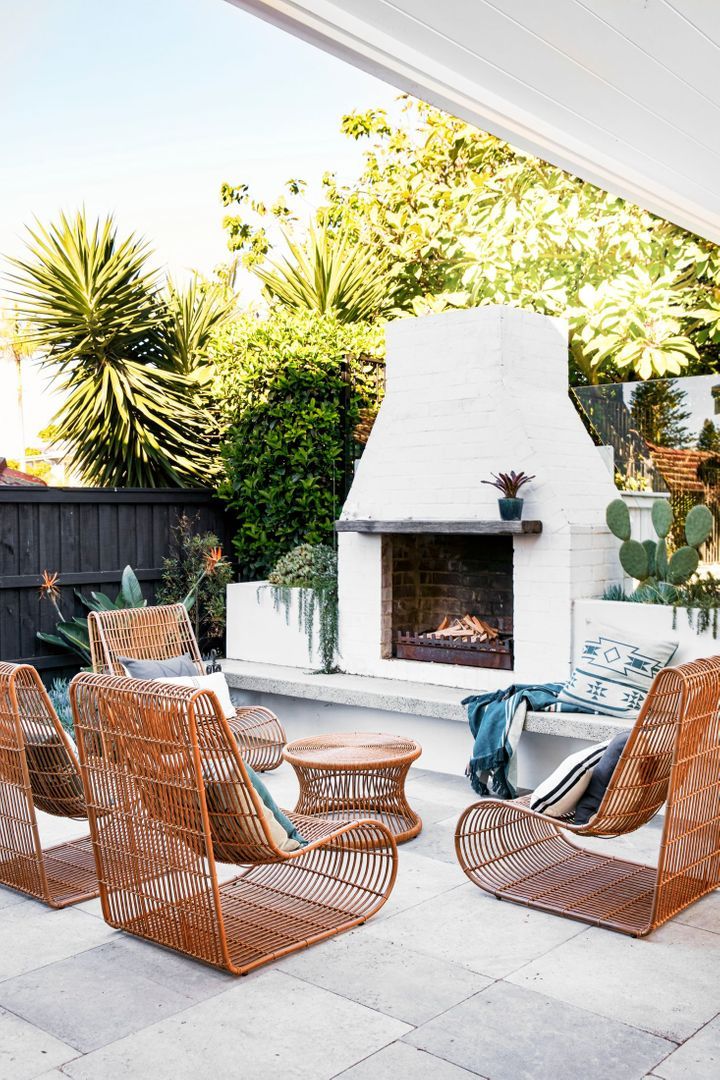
(120, 352)
(334, 273)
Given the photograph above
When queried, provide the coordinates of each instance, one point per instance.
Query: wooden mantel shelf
(466, 528)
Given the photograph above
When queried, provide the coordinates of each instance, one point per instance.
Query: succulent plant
(648, 561)
(510, 483)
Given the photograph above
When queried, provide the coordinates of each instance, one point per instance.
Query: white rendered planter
(647, 620)
(259, 632)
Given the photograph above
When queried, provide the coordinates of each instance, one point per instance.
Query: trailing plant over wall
(284, 398)
(699, 597)
(196, 567)
(312, 569)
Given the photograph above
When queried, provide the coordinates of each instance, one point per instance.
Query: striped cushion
(559, 794)
(615, 671)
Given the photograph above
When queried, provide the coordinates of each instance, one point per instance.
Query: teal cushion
(615, 670)
(273, 807)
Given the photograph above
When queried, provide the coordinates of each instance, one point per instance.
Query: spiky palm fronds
(95, 313)
(333, 274)
(193, 314)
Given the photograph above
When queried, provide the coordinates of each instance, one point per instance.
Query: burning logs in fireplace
(469, 627)
(463, 640)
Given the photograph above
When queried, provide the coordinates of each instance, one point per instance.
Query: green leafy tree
(658, 412)
(282, 391)
(467, 220)
(125, 355)
(709, 437)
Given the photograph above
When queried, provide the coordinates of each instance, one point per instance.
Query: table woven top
(352, 750)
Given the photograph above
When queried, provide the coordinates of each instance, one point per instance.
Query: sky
(143, 108)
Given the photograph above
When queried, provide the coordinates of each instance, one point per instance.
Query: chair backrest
(150, 633)
(37, 758)
(165, 780)
(671, 753)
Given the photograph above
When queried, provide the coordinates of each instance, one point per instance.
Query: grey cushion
(159, 669)
(601, 776)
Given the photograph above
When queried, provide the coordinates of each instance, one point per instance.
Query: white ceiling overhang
(624, 93)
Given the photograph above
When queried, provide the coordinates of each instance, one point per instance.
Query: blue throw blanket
(496, 722)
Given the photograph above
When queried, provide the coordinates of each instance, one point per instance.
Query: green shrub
(281, 392)
(195, 569)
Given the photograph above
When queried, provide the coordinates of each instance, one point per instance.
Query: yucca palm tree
(95, 312)
(333, 273)
(192, 315)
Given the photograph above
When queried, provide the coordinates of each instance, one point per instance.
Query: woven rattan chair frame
(168, 794)
(38, 771)
(164, 631)
(673, 754)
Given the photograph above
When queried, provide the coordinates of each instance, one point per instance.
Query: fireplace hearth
(448, 599)
(470, 392)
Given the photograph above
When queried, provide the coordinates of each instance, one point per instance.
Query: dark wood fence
(87, 536)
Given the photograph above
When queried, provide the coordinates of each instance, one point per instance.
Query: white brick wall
(470, 393)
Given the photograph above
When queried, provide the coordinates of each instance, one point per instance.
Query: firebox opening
(448, 599)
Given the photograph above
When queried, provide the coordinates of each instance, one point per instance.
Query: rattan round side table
(358, 774)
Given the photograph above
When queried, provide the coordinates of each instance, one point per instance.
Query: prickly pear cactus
(662, 517)
(651, 550)
(634, 560)
(682, 565)
(648, 562)
(617, 517)
(698, 526)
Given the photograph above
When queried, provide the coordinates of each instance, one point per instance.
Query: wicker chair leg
(518, 855)
(260, 737)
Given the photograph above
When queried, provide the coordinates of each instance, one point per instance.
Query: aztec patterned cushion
(615, 671)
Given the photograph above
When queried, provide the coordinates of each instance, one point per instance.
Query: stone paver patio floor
(444, 983)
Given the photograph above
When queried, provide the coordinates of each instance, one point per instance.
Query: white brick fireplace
(469, 393)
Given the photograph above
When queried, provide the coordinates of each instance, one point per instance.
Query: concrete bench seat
(310, 703)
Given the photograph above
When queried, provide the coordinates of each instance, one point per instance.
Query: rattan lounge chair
(168, 795)
(38, 771)
(673, 753)
(164, 631)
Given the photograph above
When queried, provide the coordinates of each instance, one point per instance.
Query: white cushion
(615, 671)
(561, 792)
(215, 682)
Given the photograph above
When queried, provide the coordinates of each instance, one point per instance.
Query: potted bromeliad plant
(509, 484)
